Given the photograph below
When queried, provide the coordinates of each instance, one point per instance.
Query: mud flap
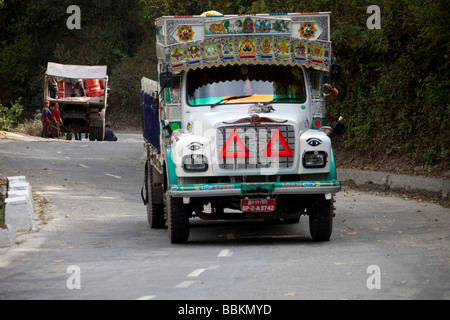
(144, 191)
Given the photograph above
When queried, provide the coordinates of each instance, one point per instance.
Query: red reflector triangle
(287, 152)
(234, 154)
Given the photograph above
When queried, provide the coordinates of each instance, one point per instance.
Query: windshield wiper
(228, 99)
(278, 99)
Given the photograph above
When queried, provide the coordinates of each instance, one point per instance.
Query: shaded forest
(394, 92)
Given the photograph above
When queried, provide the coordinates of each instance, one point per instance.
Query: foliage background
(395, 89)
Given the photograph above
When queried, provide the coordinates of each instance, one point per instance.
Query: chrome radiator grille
(256, 146)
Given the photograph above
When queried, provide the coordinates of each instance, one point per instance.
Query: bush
(30, 127)
(8, 116)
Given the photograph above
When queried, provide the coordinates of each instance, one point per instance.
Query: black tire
(96, 133)
(177, 219)
(155, 211)
(320, 218)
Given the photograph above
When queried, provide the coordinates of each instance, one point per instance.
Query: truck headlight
(195, 163)
(314, 159)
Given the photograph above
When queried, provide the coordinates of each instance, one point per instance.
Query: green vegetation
(9, 115)
(394, 93)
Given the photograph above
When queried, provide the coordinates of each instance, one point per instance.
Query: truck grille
(256, 146)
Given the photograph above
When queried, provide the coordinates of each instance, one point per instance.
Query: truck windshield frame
(255, 83)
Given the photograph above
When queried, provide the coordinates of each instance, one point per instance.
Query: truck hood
(236, 142)
(229, 115)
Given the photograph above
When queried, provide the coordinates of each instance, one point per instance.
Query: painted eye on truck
(314, 142)
(194, 146)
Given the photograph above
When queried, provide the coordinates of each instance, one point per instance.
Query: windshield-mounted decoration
(274, 51)
(185, 33)
(294, 40)
(317, 52)
(267, 49)
(307, 30)
(228, 49)
(300, 50)
(247, 47)
(211, 52)
(248, 25)
(284, 49)
(176, 56)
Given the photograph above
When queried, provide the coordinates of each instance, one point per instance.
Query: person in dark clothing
(53, 87)
(46, 120)
(109, 134)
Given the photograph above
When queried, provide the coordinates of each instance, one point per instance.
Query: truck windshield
(254, 83)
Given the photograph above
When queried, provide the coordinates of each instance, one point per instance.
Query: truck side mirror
(339, 127)
(165, 80)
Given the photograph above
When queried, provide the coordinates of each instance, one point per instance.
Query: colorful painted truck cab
(234, 127)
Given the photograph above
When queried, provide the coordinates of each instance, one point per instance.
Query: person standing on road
(46, 120)
(56, 121)
(78, 136)
(53, 87)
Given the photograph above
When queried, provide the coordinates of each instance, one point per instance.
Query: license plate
(258, 205)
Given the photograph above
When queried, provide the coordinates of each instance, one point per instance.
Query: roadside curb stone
(383, 181)
(19, 210)
(7, 236)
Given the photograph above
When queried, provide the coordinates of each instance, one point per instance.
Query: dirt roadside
(6, 137)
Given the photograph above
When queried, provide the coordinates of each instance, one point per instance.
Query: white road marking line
(225, 253)
(146, 298)
(82, 165)
(196, 273)
(111, 175)
(184, 284)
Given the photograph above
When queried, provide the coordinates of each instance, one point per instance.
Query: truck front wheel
(321, 215)
(155, 209)
(177, 219)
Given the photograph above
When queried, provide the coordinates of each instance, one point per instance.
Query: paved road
(99, 243)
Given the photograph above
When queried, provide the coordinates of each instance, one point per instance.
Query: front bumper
(254, 189)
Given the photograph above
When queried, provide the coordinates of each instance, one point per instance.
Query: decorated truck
(81, 92)
(234, 128)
